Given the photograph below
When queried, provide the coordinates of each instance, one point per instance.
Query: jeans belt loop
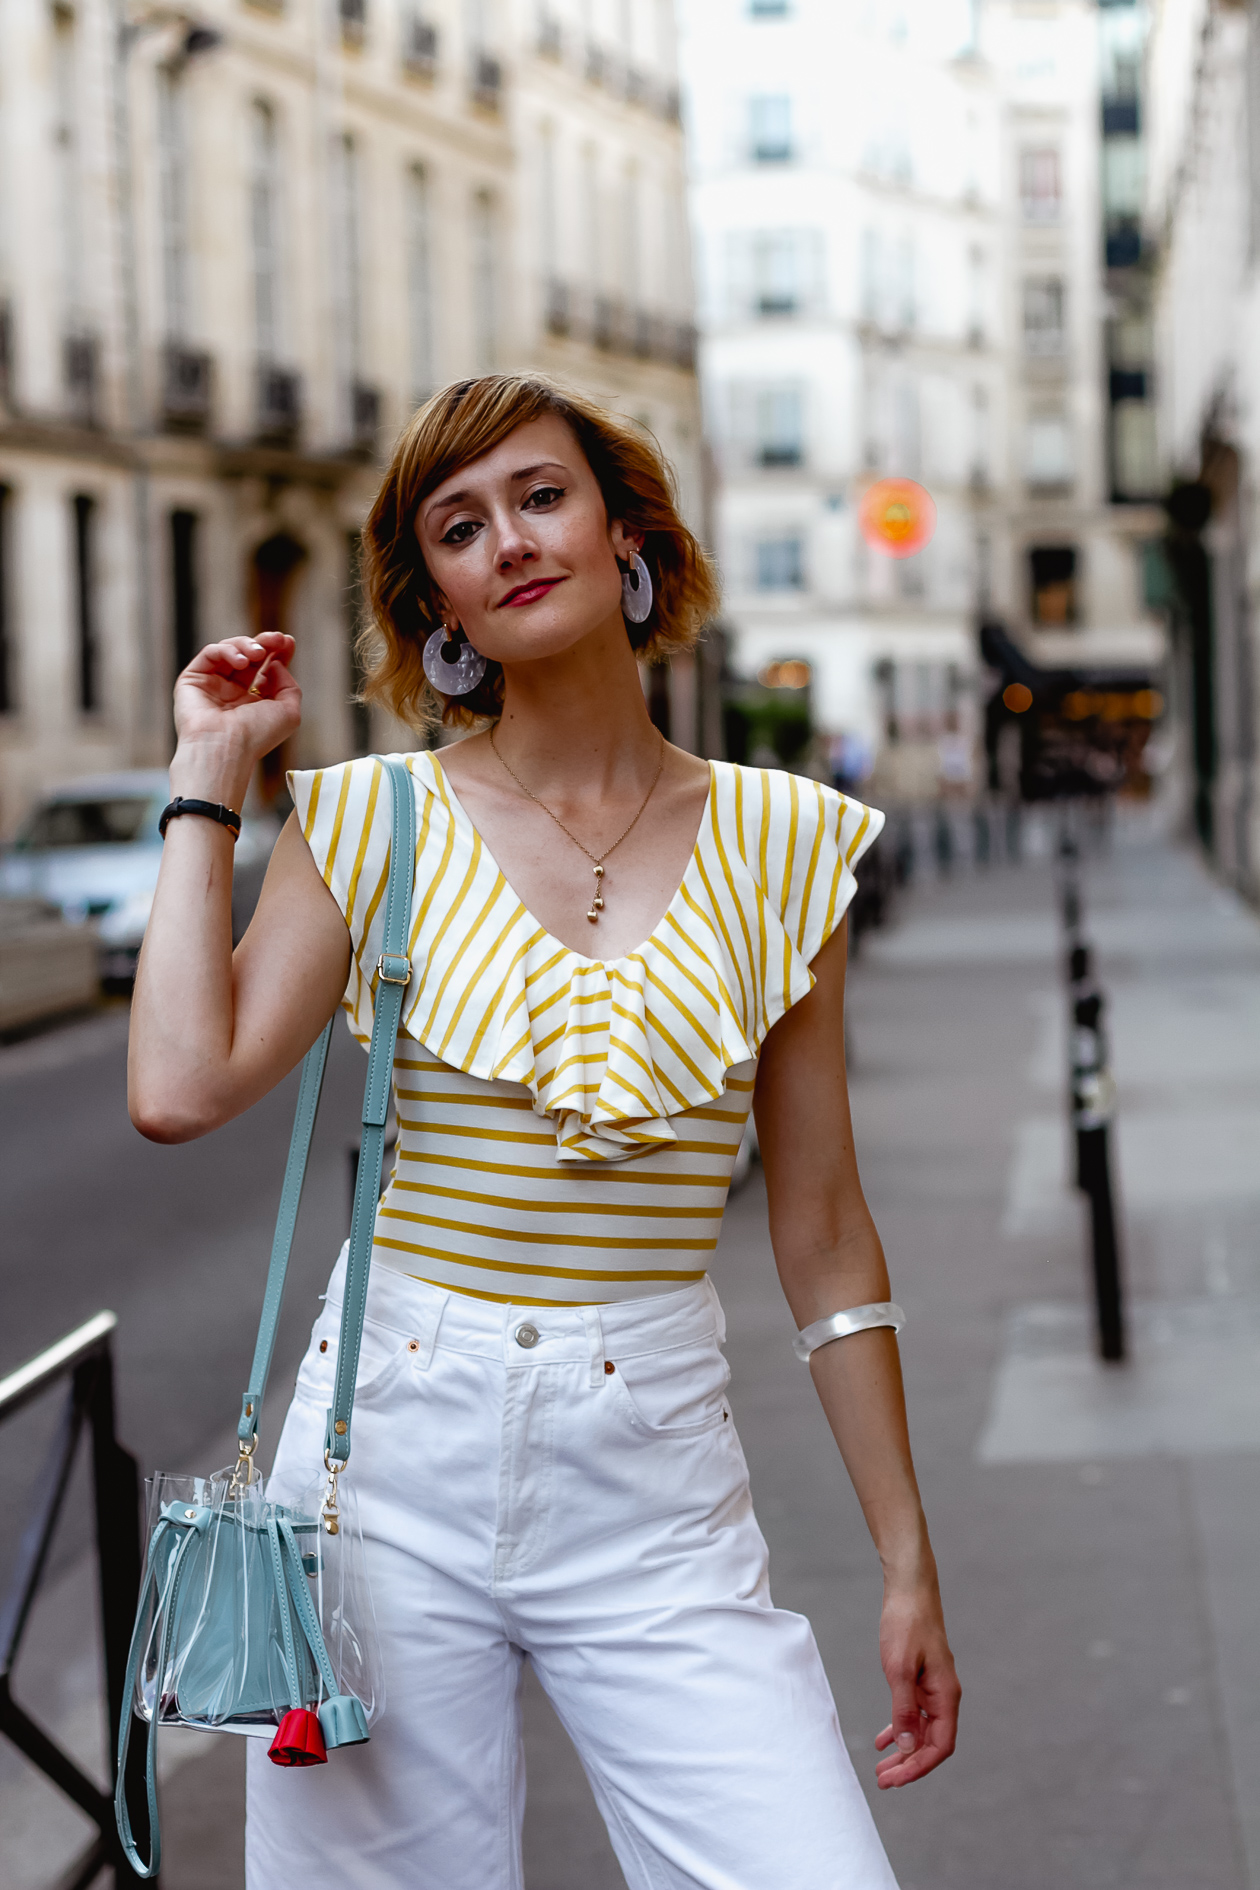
(430, 1326)
(595, 1339)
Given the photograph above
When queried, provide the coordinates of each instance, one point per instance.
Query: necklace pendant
(593, 916)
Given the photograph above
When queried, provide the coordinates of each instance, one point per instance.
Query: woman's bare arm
(211, 1030)
(829, 1257)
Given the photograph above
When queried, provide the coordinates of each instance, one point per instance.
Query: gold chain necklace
(596, 859)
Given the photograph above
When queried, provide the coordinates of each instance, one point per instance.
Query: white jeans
(525, 1500)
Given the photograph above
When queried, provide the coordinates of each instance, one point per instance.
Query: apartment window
(84, 509)
(631, 252)
(420, 45)
(776, 272)
(1048, 451)
(353, 16)
(1253, 139)
(770, 129)
(360, 713)
(1043, 315)
(8, 678)
(69, 195)
(907, 421)
(780, 565)
(1052, 570)
(173, 168)
(1040, 187)
(485, 287)
(779, 440)
(420, 283)
(907, 283)
(548, 222)
(980, 468)
(6, 354)
(349, 253)
(184, 637)
(592, 246)
(977, 295)
(265, 229)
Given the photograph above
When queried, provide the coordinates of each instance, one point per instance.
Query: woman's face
(520, 548)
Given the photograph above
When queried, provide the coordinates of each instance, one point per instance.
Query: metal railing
(85, 1358)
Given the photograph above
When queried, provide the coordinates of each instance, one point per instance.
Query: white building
(1203, 221)
(900, 257)
(237, 245)
(1081, 468)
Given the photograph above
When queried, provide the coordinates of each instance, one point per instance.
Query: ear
(624, 540)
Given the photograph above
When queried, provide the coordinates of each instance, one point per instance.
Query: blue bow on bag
(254, 1615)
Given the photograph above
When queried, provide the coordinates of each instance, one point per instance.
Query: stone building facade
(1202, 226)
(238, 244)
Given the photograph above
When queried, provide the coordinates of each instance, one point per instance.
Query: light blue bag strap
(393, 969)
(164, 1619)
(286, 1221)
(299, 1593)
(393, 974)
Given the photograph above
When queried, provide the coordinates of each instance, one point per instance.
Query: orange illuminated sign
(898, 517)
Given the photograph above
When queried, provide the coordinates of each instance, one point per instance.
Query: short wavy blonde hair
(463, 422)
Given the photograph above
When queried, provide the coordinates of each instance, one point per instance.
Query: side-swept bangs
(460, 424)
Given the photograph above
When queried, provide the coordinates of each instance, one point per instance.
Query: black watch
(211, 810)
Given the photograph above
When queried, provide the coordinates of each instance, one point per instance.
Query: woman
(543, 1456)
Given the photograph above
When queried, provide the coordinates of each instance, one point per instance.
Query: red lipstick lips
(530, 593)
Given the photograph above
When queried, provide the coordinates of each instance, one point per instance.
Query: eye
(544, 495)
(461, 532)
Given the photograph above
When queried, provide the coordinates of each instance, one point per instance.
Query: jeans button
(527, 1336)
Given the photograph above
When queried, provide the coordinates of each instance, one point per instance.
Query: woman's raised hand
(234, 703)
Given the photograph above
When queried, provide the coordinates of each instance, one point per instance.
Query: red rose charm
(299, 1740)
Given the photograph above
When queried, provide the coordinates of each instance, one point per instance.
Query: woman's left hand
(919, 1669)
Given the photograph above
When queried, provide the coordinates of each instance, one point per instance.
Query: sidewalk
(1098, 1529)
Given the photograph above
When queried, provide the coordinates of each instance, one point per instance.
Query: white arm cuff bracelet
(841, 1324)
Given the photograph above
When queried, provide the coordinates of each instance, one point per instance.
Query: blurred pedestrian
(544, 1458)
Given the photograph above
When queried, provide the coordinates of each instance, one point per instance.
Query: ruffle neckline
(611, 1051)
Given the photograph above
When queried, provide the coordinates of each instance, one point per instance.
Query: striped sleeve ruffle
(609, 1051)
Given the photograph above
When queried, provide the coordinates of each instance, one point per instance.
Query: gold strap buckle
(394, 958)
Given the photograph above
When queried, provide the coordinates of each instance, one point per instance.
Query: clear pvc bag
(229, 1665)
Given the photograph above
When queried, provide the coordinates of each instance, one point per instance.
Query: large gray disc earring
(636, 590)
(451, 664)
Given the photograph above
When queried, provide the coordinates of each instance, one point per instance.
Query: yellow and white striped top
(567, 1126)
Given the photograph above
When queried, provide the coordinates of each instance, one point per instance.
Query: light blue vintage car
(92, 848)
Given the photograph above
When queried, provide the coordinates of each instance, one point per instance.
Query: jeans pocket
(678, 1392)
(380, 1352)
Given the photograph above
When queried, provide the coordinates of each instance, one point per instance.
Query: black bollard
(1094, 1169)
(1093, 1102)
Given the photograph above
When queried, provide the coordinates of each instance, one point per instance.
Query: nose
(516, 546)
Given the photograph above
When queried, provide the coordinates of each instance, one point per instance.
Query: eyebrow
(453, 499)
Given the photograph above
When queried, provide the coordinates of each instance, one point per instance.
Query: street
(1097, 1528)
